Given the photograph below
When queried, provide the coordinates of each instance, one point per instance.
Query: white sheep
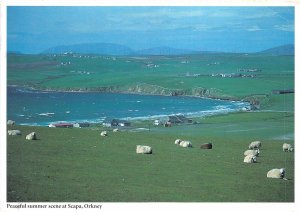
(14, 132)
(287, 147)
(250, 159)
(255, 145)
(276, 173)
(143, 149)
(254, 152)
(10, 122)
(103, 133)
(31, 136)
(185, 144)
(178, 141)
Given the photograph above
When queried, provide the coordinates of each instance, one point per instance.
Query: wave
(241, 103)
(91, 121)
(21, 115)
(215, 111)
(72, 121)
(35, 124)
(211, 112)
(221, 107)
(46, 114)
(26, 90)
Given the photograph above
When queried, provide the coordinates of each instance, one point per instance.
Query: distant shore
(111, 89)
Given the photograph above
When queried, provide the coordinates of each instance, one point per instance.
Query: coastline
(245, 106)
(116, 91)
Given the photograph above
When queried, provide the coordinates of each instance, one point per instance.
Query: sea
(40, 108)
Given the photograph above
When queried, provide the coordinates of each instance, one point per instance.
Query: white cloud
(261, 14)
(222, 14)
(285, 27)
(163, 13)
(195, 18)
(253, 28)
(201, 27)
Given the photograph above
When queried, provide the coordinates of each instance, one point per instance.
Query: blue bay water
(31, 107)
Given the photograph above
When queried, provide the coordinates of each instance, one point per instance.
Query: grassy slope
(79, 165)
(125, 73)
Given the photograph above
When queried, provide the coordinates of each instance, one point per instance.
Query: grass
(77, 165)
(126, 73)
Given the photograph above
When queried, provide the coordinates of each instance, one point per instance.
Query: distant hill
(116, 49)
(14, 52)
(164, 50)
(91, 48)
(288, 49)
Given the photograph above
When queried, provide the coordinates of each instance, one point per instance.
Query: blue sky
(230, 29)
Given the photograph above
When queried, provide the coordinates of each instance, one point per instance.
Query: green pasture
(123, 74)
(77, 165)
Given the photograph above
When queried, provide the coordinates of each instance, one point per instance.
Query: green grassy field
(76, 165)
(154, 74)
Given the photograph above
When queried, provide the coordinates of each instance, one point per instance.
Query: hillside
(122, 50)
(115, 49)
(288, 49)
(91, 48)
(205, 75)
(164, 50)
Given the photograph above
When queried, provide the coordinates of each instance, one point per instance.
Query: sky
(33, 29)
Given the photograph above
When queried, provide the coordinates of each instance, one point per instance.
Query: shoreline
(194, 114)
(89, 90)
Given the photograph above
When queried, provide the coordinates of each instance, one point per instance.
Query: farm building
(61, 125)
(283, 91)
(156, 122)
(82, 124)
(115, 123)
(179, 119)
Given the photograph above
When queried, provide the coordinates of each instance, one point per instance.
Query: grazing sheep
(250, 159)
(206, 146)
(276, 173)
(103, 133)
(255, 145)
(115, 130)
(31, 136)
(287, 147)
(14, 132)
(185, 144)
(254, 152)
(10, 122)
(143, 149)
(167, 124)
(178, 141)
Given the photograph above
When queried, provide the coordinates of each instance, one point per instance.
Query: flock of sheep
(250, 155)
(30, 136)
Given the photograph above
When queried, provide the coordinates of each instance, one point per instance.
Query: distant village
(168, 121)
(227, 75)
